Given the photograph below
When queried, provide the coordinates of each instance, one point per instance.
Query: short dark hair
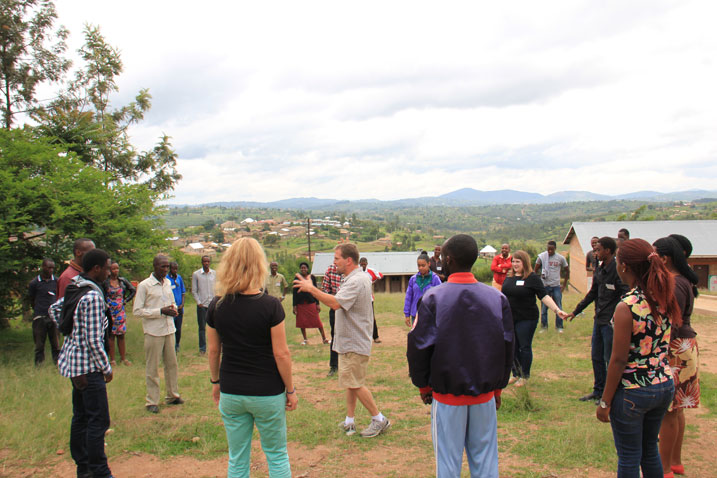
(463, 249)
(207, 256)
(173, 263)
(92, 258)
(304, 264)
(349, 250)
(552, 243)
(608, 242)
(79, 242)
(46, 260)
(625, 231)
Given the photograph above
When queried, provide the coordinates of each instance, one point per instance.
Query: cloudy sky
(270, 100)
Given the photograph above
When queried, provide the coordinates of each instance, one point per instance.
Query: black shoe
(590, 396)
(332, 372)
(152, 408)
(175, 401)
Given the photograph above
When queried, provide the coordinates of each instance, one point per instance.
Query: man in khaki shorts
(353, 335)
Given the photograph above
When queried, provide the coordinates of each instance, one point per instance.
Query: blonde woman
(249, 360)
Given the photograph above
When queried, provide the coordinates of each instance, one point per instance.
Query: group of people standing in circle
(644, 349)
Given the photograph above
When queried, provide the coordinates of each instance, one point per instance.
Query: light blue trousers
(470, 427)
(240, 413)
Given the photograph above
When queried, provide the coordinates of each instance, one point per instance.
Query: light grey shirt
(354, 320)
(203, 286)
(551, 267)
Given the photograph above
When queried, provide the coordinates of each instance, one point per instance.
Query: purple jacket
(413, 293)
(462, 341)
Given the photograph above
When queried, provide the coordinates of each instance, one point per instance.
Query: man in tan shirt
(154, 303)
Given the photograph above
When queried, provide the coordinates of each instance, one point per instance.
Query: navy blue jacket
(462, 342)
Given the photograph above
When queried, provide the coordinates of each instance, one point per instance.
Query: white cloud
(269, 100)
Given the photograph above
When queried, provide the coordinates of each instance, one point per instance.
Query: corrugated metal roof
(702, 234)
(387, 263)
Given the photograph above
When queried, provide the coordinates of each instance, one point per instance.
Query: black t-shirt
(304, 297)
(685, 299)
(521, 295)
(244, 325)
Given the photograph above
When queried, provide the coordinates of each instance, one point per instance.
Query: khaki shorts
(352, 370)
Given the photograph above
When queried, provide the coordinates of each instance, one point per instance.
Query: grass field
(544, 431)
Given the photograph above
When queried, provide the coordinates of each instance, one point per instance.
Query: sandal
(112, 362)
(327, 341)
(304, 342)
(126, 362)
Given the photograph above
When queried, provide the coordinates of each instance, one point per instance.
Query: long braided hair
(653, 279)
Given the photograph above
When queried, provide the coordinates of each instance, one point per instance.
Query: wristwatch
(603, 404)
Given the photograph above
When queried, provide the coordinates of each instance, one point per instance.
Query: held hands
(603, 414)
(570, 317)
(563, 315)
(170, 310)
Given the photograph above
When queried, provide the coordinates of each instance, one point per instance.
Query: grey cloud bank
(283, 100)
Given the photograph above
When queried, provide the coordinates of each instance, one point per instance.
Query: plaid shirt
(331, 281)
(84, 349)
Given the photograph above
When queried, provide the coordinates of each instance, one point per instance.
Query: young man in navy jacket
(459, 355)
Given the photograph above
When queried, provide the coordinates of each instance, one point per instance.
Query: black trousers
(90, 421)
(43, 327)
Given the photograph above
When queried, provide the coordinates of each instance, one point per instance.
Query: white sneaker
(349, 429)
(376, 428)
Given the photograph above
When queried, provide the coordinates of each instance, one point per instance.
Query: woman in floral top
(639, 386)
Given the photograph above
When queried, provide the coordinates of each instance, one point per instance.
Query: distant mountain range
(472, 197)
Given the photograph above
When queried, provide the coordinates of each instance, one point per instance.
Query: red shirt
(66, 277)
(500, 267)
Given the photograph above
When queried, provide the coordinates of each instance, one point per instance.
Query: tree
(51, 198)
(83, 120)
(26, 57)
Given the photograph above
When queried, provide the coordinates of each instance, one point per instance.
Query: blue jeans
(90, 421)
(202, 328)
(557, 295)
(635, 416)
(600, 354)
(178, 325)
(523, 357)
(470, 427)
(240, 413)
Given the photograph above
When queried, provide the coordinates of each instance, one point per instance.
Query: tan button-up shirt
(151, 297)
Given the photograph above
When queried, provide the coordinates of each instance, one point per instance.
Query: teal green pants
(240, 413)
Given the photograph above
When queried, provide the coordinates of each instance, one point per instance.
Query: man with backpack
(81, 315)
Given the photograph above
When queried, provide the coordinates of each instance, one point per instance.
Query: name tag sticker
(438, 268)
(520, 282)
(610, 286)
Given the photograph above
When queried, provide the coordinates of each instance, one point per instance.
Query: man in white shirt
(155, 304)
(203, 292)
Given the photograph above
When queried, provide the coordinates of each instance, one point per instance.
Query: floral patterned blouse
(649, 345)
